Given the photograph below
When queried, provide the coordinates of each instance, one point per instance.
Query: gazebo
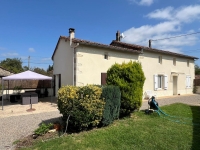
(27, 75)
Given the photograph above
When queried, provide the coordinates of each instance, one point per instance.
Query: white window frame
(160, 82)
(188, 81)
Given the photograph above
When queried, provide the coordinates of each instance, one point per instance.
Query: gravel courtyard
(21, 123)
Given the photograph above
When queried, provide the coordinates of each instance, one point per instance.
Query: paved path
(15, 127)
(187, 99)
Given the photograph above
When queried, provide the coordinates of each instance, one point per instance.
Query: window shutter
(103, 78)
(186, 82)
(155, 82)
(165, 82)
(189, 82)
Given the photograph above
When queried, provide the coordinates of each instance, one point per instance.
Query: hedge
(130, 79)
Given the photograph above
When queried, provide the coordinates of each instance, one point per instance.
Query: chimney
(118, 36)
(71, 34)
(149, 43)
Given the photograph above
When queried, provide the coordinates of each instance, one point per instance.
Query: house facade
(80, 62)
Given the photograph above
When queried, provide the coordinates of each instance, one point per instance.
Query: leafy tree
(197, 70)
(50, 68)
(39, 70)
(12, 64)
(25, 68)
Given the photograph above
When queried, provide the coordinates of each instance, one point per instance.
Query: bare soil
(29, 140)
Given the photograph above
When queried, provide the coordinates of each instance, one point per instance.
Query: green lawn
(140, 131)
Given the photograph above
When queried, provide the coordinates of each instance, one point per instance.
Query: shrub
(130, 79)
(83, 104)
(43, 128)
(112, 96)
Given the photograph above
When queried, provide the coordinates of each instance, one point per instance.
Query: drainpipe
(74, 57)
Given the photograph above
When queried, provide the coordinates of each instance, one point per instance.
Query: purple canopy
(27, 75)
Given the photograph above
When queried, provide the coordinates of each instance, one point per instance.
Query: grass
(139, 132)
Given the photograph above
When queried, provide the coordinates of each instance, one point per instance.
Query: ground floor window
(160, 82)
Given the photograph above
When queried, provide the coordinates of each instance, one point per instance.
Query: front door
(175, 79)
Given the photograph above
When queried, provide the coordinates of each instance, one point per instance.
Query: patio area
(15, 109)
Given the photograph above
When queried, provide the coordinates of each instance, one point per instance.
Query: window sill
(159, 89)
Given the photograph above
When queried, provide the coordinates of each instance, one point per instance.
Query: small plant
(44, 128)
(195, 89)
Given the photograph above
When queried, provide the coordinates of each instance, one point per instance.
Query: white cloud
(172, 24)
(165, 13)
(10, 54)
(31, 50)
(143, 2)
(182, 14)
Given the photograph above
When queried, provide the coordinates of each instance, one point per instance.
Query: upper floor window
(106, 56)
(174, 61)
(160, 59)
(188, 63)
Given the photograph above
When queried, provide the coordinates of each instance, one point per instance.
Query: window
(106, 56)
(160, 82)
(160, 59)
(188, 63)
(188, 81)
(174, 61)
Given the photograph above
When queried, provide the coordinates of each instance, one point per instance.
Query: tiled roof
(121, 46)
(133, 46)
(95, 44)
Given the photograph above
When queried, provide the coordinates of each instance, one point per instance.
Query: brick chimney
(71, 34)
(118, 36)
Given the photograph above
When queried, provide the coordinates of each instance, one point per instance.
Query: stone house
(81, 62)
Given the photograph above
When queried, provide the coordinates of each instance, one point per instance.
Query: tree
(25, 68)
(50, 68)
(129, 77)
(197, 70)
(39, 70)
(12, 64)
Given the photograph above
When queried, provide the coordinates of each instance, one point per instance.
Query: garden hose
(159, 112)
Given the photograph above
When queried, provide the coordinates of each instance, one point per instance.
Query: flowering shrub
(84, 105)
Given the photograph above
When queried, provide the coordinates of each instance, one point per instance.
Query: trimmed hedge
(130, 79)
(112, 96)
(83, 104)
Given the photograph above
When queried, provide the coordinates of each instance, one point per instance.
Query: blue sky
(32, 27)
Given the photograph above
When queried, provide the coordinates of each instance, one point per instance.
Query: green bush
(130, 79)
(112, 96)
(43, 128)
(83, 104)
